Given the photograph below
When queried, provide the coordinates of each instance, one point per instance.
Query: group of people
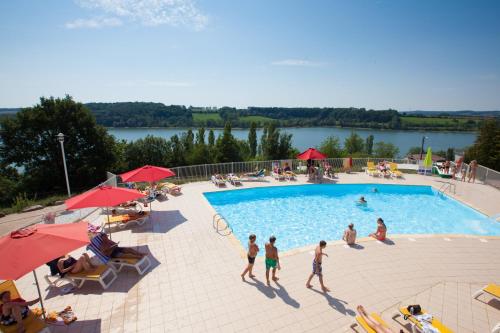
(272, 259)
(459, 168)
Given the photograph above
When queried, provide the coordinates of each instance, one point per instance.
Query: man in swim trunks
(13, 311)
(317, 269)
(253, 249)
(272, 259)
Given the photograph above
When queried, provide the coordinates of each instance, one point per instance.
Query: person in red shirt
(13, 311)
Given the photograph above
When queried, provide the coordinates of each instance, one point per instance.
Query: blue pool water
(304, 214)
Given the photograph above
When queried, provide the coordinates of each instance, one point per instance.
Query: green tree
(369, 144)
(227, 147)
(150, 150)
(414, 150)
(331, 147)
(28, 140)
(450, 154)
(188, 140)
(385, 150)
(252, 139)
(353, 143)
(486, 148)
(263, 142)
(200, 136)
(211, 138)
(178, 157)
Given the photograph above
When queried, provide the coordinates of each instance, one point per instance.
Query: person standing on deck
(317, 269)
(272, 259)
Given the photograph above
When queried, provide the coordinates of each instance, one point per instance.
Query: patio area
(194, 283)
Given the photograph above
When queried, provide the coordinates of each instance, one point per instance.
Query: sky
(401, 54)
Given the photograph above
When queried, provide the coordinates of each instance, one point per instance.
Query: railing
(226, 230)
(205, 171)
(448, 186)
(483, 175)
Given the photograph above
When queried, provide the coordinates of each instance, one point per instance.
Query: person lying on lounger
(68, 264)
(112, 250)
(381, 230)
(374, 325)
(13, 311)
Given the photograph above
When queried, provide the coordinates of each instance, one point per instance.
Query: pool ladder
(221, 226)
(448, 186)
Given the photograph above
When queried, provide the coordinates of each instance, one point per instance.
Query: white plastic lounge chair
(218, 180)
(141, 265)
(496, 329)
(491, 289)
(31, 323)
(102, 274)
(234, 179)
(170, 188)
(253, 176)
(278, 176)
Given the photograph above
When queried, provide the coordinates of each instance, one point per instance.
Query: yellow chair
(102, 274)
(170, 188)
(123, 219)
(367, 327)
(395, 171)
(32, 323)
(492, 289)
(416, 326)
(371, 169)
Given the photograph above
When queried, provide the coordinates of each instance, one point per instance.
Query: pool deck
(195, 285)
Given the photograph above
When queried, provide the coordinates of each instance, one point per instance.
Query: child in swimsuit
(381, 230)
(13, 311)
(316, 265)
(253, 249)
(272, 259)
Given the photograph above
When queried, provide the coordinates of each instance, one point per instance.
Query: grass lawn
(256, 119)
(204, 116)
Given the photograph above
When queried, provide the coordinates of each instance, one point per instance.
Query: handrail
(215, 224)
(448, 186)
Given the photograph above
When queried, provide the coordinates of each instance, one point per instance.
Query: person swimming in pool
(362, 201)
(253, 249)
(381, 230)
(272, 259)
(374, 190)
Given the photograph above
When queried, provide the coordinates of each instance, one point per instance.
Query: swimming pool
(300, 215)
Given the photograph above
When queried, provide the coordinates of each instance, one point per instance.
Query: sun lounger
(278, 176)
(234, 179)
(416, 326)
(141, 265)
(371, 170)
(289, 175)
(492, 289)
(251, 176)
(126, 219)
(32, 323)
(170, 188)
(367, 327)
(496, 329)
(394, 170)
(218, 180)
(102, 274)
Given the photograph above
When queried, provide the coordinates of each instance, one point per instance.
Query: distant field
(256, 119)
(204, 116)
(433, 121)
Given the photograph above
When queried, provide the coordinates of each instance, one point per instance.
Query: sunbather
(287, 168)
(381, 230)
(13, 311)
(68, 264)
(376, 326)
(350, 235)
(112, 250)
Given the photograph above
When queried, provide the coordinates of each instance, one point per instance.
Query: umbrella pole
(39, 294)
(109, 224)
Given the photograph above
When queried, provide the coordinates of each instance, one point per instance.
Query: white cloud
(297, 62)
(151, 12)
(94, 23)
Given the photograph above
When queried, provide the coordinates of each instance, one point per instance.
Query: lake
(305, 137)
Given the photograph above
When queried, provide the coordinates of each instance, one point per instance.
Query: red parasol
(311, 154)
(103, 196)
(147, 173)
(26, 249)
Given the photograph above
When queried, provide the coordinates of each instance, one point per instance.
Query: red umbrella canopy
(311, 154)
(24, 250)
(147, 173)
(103, 196)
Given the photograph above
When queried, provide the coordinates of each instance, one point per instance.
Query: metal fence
(205, 171)
(486, 176)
